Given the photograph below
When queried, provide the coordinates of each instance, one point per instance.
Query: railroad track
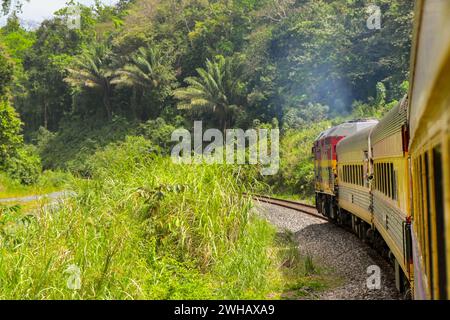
(294, 205)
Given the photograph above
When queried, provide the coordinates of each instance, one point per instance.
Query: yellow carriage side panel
(429, 150)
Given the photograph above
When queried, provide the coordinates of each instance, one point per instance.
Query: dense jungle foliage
(230, 63)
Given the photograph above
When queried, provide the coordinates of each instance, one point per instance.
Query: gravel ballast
(337, 250)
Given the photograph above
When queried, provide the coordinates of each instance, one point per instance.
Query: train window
(388, 165)
(349, 174)
(352, 174)
(391, 180)
(374, 176)
(422, 210)
(440, 223)
(416, 212)
(378, 176)
(429, 220)
(357, 174)
(418, 203)
(386, 179)
(394, 184)
(381, 178)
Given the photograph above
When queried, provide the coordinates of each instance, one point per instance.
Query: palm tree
(217, 88)
(149, 72)
(91, 70)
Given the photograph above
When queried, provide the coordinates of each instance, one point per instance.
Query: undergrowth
(146, 228)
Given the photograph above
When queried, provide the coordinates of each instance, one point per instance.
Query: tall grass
(143, 228)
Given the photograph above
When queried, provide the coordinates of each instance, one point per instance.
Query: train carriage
(429, 149)
(325, 162)
(390, 187)
(354, 171)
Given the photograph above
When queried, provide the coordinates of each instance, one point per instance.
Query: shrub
(159, 132)
(24, 166)
(10, 138)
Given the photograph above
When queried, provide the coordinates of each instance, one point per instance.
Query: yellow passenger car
(429, 149)
(325, 164)
(354, 171)
(391, 201)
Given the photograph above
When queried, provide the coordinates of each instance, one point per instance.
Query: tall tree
(217, 88)
(10, 125)
(149, 72)
(10, 137)
(92, 71)
(6, 72)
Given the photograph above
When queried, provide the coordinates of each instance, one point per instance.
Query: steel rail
(294, 205)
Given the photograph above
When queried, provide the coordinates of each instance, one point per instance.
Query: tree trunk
(45, 115)
(107, 101)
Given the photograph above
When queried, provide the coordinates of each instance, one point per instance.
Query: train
(388, 180)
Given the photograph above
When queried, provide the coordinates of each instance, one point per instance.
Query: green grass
(48, 182)
(145, 228)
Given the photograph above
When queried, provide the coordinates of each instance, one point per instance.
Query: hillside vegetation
(145, 228)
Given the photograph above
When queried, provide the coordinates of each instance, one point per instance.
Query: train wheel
(323, 208)
(332, 210)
